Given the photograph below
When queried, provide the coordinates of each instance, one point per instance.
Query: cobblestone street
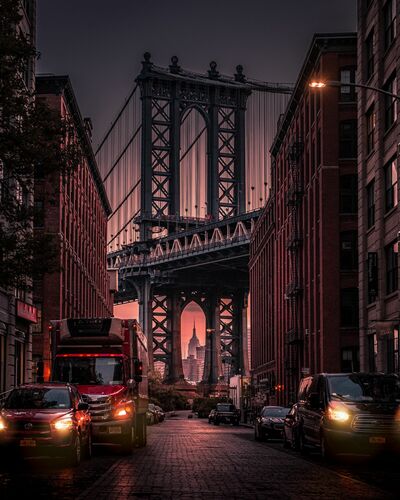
(187, 458)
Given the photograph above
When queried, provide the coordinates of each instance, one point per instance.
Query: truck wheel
(88, 449)
(74, 453)
(128, 441)
(141, 431)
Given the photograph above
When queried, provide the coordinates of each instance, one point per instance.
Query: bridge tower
(166, 95)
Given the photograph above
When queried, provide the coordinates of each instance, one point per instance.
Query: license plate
(27, 443)
(114, 430)
(377, 440)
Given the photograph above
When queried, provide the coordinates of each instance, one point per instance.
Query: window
(391, 252)
(389, 22)
(347, 92)
(371, 124)
(390, 102)
(348, 250)
(349, 307)
(348, 194)
(350, 360)
(372, 270)
(348, 139)
(371, 204)
(369, 55)
(391, 193)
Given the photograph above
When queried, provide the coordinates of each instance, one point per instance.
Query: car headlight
(338, 414)
(3, 425)
(123, 411)
(63, 424)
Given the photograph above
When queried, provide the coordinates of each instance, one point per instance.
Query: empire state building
(194, 343)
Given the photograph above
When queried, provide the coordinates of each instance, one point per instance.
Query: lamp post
(334, 83)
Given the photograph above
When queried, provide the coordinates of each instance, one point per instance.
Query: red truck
(107, 359)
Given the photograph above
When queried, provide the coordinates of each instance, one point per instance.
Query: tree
(34, 143)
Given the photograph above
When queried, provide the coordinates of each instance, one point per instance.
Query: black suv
(226, 413)
(349, 412)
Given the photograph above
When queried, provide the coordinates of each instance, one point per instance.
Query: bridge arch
(193, 162)
(193, 340)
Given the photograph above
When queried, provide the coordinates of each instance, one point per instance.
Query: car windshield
(365, 387)
(222, 407)
(38, 399)
(89, 370)
(274, 412)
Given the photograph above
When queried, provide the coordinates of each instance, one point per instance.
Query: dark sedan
(291, 429)
(269, 424)
(46, 419)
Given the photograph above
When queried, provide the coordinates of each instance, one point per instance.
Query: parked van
(349, 413)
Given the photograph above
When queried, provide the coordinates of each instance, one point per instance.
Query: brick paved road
(187, 458)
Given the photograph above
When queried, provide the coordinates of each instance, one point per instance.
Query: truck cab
(106, 358)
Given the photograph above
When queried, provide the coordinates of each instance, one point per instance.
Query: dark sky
(100, 43)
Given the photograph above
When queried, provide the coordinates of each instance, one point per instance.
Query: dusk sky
(100, 44)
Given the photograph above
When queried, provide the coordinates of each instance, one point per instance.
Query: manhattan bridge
(186, 167)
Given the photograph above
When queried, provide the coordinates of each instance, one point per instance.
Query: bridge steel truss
(206, 265)
(199, 260)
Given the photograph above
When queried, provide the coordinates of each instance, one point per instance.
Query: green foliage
(33, 144)
(166, 396)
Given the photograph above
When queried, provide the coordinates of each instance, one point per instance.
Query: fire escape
(294, 289)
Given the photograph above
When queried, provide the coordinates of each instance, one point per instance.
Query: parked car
(160, 413)
(291, 429)
(269, 424)
(349, 412)
(224, 413)
(211, 416)
(151, 414)
(46, 419)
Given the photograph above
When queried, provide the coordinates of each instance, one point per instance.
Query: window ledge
(391, 295)
(370, 230)
(390, 129)
(370, 154)
(390, 212)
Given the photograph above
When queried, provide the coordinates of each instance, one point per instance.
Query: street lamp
(331, 83)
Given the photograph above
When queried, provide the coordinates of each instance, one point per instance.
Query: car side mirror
(137, 370)
(314, 401)
(83, 407)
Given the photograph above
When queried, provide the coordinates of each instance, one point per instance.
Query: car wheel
(141, 431)
(216, 422)
(326, 449)
(89, 450)
(75, 452)
(128, 441)
(302, 442)
(286, 443)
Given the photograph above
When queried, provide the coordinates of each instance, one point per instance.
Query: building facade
(75, 208)
(17, 313)
(303, 268)
(378, 123)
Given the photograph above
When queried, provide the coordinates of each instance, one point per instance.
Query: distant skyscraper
(193, 343)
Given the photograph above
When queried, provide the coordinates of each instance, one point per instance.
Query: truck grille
(375, 423)
(100, 408)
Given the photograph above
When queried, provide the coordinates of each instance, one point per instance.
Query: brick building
(303, 268)
(17, 314)
(76, 209)
(378, 66)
